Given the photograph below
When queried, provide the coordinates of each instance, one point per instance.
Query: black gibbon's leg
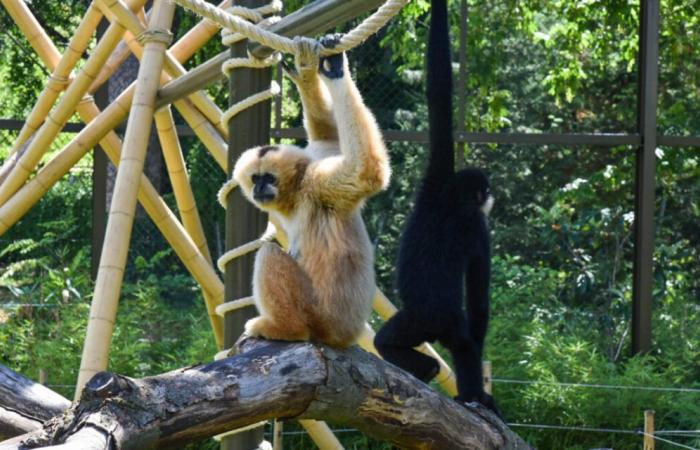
(395, 342)
(466, 357)
(478, 276)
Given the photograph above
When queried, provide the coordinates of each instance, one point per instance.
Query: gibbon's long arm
(315, 98)
(318, 109)
(439, 95)
(363, 166)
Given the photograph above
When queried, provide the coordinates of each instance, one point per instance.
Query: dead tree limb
(24, 404)
(269, 380)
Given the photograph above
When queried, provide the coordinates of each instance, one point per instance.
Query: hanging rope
(230, 21)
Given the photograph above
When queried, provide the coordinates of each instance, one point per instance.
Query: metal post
(99, 178)
(462, 85)
(244, 222)
(643, 281)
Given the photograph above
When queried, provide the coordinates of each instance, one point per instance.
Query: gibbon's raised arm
(439, 95)
(363, 167)
(319, 121)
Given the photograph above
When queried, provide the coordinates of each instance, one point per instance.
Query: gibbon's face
(474, 188)
(270, 176)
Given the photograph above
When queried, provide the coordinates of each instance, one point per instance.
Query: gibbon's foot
(265, 328)
(332, 66)
(484, 399)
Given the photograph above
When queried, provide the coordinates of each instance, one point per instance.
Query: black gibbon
(445, 243)
(323, 289)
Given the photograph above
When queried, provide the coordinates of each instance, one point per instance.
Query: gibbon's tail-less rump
(322, 289)
(444, 249)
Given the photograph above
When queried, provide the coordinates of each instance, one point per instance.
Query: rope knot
(163, 36)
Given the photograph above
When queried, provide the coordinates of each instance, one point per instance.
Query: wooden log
(24, 404)
(270, 380)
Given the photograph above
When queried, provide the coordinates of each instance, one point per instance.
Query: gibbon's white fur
(323, 289)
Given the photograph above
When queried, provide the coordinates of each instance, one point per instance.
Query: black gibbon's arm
(362, 168)
(439, 94)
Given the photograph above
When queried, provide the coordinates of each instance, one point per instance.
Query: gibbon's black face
(264, 187)
(473, 188)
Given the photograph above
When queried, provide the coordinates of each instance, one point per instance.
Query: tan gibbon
(322, 289)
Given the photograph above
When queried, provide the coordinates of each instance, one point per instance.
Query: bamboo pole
(115, 60)
(59, 78)
(189, 43)
(182, 50)
(445, 377)
(31, 28)
(205, 131)
(321, 435)
(277, 436)
(649, 443)
(488, 377)
(62, 112)
(184, 196)
(109, 278)
(98, 130)
(177, 171)
(117, 11)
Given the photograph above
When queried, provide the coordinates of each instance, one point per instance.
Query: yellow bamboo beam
(190, 42)
(58, 117)
(321, 435)
(103, 310)
(31, 28)
(186, 204)
(98, 129)
(177, 171)
(117, 11)
(445, 377)
(205, 131)
(203, 126)
(59, 78)
(183, 50)
(115, 60)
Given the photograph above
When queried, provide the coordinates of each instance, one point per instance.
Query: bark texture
(24, 404)
(269, 380)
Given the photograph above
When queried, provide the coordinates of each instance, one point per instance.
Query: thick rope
(230, 37)
(350, 40)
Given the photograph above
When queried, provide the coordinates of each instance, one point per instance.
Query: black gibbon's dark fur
(445, 244)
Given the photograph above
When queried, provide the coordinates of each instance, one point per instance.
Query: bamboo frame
(204, 128)
(23, 17)
(103, 310)
(61, 72)
(58, 117)
(96, 130)
(118, 12)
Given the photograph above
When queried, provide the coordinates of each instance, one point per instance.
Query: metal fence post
(99, 179)
(244, 222)
(643, 281)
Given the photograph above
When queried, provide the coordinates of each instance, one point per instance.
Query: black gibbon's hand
(332, 66)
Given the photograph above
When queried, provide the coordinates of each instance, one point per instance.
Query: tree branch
(270, 380)
(24, 404)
